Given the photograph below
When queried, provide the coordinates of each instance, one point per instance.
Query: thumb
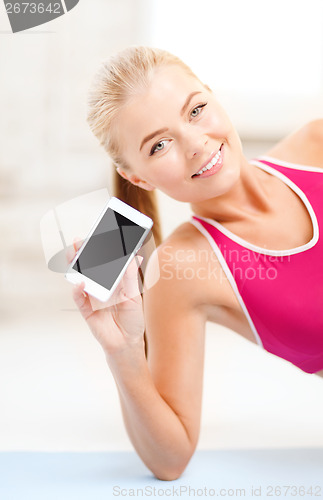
(140, 259)
(129, 283)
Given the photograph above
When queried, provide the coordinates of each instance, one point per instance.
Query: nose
(195, 144)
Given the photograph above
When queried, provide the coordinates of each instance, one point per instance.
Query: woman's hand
(119, 323)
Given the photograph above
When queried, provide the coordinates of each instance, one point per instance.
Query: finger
(82, 301)
(127, 287)
(70, 252)
(124, 290)
(139, 259)
(129, 282)
(77, 243)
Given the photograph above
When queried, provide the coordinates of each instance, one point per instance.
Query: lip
(215, 167)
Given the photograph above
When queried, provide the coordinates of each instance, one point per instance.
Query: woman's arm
(161, 397)
(303, 146)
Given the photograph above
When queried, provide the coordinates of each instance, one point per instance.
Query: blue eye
(157, 147)
(196, 111)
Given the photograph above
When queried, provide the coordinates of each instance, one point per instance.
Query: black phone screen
(108, 248)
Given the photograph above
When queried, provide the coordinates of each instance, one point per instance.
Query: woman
(165, 130)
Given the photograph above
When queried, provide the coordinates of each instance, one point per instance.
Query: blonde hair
(119, 78)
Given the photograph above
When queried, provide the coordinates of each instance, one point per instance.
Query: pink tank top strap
(280, 291)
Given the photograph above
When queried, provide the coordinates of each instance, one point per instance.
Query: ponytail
(144, 201)
(140, 199)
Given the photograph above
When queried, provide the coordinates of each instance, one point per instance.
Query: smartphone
(114, 239)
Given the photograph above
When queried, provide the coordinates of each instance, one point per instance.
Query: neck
(246, 199)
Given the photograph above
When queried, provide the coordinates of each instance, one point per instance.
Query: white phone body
(114, 239)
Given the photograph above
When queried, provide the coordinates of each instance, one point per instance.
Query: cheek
(170, 164)
(217, 124)
(170, 167)
(217, 121)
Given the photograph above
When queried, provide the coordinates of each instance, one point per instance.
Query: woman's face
(171, 131)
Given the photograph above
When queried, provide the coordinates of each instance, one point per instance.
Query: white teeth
(210, 164)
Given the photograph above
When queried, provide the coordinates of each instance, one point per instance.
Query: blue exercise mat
(250, 474)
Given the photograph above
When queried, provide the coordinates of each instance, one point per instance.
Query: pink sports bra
(280, 291)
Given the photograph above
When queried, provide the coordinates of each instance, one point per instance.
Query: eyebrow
(162, 130)
(188, 100)
(151, 136)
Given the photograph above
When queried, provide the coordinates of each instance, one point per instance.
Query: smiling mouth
(214, 160)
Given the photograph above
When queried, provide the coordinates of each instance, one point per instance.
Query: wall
(56, 390)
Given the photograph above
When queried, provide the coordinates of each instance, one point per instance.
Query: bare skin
(161, 396)
(278, 232)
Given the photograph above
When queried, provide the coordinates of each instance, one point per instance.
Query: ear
(135, 180)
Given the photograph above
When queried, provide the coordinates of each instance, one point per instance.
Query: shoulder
(303, 146)
(184, 246)
(314, 130)
(178, 251)
(181, 267)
